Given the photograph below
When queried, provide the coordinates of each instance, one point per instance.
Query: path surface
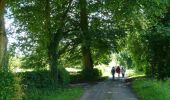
(109, 90)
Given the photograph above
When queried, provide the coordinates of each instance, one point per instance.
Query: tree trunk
(85, 49)
(51, 45)
(54, 39)
(86, 58)
(53, 57)
(3, 39)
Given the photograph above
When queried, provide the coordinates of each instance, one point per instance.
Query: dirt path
(109, 90)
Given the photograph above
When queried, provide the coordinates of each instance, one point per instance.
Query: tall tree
(3, 39)
(85, 47)
(43, 24)
(55, 37)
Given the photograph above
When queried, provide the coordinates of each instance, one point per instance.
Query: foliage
(10, 88)
(79, 78)
(134, 73)
(148, 47)
(33, 38)
(158, 40)
(38, 79)
(136, 20)
(14, 62)
(152, 89)
(64, 78)
(53, 32)
(124, 59)
(76, 78)
(137, 50)
(84, 76)
(91, 75)
(149, 51)
(42, 79)
(70, 93)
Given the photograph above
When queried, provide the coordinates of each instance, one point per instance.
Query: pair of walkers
(118, 70)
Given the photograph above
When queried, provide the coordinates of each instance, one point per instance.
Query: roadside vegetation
(69, 93)
(48, 36)
(147, 88)
(152, 89)
(134, 74)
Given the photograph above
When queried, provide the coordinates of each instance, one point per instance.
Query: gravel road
(109, 90)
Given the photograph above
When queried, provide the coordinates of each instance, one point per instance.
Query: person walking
(118, 71)
(123, 70)
(113, 73)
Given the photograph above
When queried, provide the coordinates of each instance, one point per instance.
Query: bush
(10, 88)
(91, 74)
(38, 79)
(76, 78)
(42, 79)
(64, 77)
(157, 52)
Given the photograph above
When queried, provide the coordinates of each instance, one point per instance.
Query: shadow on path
(109, 90)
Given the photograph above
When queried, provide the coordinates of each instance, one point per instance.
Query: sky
(11, 37)
(8, 25)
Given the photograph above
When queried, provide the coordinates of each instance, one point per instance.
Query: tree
(55, 37)
(143, 43)
(85, 48)
(157, 38)
(3, 39)
(42, 31)
(88, 29)
(124, 59)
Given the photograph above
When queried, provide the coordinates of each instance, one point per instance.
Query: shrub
(10, 88)
(63, 75)
(76, 77)
(42, 79)
(157, 52)
(38, 79)
(91, 74)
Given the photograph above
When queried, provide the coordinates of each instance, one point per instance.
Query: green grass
(152, 89)
(53, 94)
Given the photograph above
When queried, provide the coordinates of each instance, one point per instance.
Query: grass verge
(53, 94)
(152, 89)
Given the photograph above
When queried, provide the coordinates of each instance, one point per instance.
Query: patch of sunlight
(16, 70)
(73, 70)
(106, 70)
(133, 73)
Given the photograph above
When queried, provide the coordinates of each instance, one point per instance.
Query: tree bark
(51, 44)
(85, 49)
(3, 39)
(53, 57)
(54, 39)
(86, 58)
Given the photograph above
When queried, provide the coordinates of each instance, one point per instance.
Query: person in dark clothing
(113, 72)
(118, 71)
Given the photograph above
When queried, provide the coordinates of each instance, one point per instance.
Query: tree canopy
(53, 33)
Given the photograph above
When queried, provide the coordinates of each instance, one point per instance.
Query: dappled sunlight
(16, 70)
(73, 70)
(133, 73)
(50, 44)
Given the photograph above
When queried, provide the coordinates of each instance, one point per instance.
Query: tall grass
(53, 94)
(152, 89)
